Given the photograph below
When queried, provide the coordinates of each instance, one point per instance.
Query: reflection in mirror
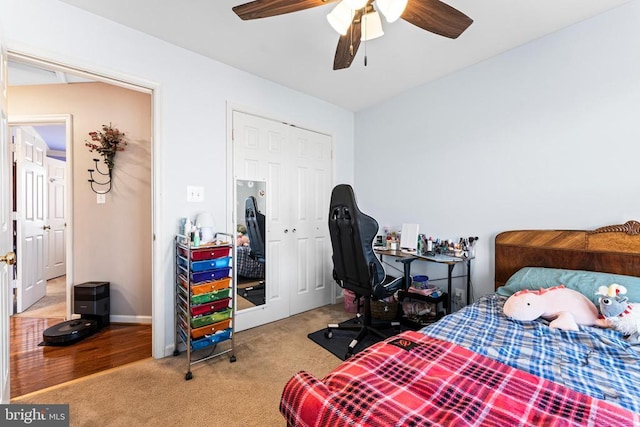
(250, 245)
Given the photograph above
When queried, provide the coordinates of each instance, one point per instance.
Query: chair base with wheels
(366, 327)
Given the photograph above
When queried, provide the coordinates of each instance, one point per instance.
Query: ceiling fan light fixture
(371, 27)
(355, 4)
(340, 18)
(391, 9)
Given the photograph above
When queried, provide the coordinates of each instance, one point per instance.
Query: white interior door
(6, 231)
(311, 246)
(31, 197)
(296, 164)
(258, 147)
(56, 223)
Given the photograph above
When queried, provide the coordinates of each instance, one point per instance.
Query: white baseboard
(142, 320)
(168, 350)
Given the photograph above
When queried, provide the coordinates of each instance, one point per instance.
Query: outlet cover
(101, 199)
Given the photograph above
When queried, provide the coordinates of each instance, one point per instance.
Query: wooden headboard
(611, 249)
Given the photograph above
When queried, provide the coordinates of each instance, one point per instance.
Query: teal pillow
(585, 282)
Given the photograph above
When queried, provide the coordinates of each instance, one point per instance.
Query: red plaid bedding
(415, 380)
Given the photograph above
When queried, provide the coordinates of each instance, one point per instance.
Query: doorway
(52, 299)
(72, 275)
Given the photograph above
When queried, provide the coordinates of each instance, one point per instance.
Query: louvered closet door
(296, 165)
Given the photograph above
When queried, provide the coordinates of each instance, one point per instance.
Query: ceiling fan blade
(265, 8)
(436, 17)
(348, 44)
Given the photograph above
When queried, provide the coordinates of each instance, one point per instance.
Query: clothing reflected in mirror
(250, 243)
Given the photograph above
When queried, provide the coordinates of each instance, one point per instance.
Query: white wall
(544, 136)
(192, 93)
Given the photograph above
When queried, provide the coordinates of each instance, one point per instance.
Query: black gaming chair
(355, 265)
(255, 222)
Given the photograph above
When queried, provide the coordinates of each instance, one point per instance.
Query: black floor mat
(340, 340)
(255, 296)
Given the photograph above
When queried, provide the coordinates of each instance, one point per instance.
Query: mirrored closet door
(250, 243)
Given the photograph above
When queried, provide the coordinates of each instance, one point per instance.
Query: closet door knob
(294, 230)
(286, 230)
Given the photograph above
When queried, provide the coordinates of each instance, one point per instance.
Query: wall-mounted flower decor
(107, 141)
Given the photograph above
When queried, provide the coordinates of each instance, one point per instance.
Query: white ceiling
(297, 49)
(21, 74)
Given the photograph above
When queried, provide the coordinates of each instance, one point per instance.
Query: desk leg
(468, 281)
(406, 268)
(450, 299)
(407, 272)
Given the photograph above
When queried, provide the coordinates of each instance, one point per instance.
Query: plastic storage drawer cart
(205, 292)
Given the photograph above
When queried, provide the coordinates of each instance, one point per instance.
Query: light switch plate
(101, 199)
(195, 193)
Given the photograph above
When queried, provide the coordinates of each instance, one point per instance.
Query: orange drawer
(210, 329)
(216, 285)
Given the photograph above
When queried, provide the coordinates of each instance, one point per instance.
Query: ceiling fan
(430, 15)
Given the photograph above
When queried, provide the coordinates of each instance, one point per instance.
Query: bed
(478, 367)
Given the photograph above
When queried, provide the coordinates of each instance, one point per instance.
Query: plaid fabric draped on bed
(462, 371)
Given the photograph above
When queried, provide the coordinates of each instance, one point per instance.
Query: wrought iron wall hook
(97, 169)
(103, 189)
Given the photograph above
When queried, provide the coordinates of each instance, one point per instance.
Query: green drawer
(218, 316)
(211, 296)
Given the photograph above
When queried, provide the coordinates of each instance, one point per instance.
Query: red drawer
(210, 307)
(206, 253)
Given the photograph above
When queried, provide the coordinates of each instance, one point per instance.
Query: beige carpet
(53, 304)
(245, 393)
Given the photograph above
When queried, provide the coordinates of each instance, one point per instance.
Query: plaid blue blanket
(248, 267)
(597, 362)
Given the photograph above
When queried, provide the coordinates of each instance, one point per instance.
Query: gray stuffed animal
(620, 314)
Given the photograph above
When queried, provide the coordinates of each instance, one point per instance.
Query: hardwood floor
(34, 367)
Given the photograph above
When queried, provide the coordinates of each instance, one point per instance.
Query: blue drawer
(211, 264)
(211, 339)
(204, 276)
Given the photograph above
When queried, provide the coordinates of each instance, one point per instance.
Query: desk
(407, 258)
(403, 257)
